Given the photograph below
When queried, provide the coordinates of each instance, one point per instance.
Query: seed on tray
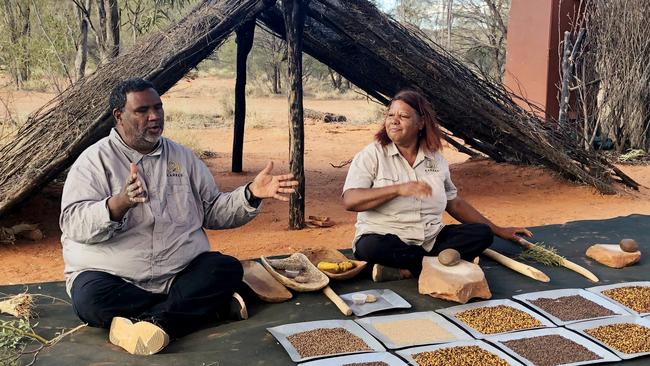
(459, 356)
(636, 298)
(624, 337)
(412, 331)
(551, 350)
(326, 341)
(373, 363)
(574, 307)
(498, 319)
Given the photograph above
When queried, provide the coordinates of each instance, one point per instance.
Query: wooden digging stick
(337, 300)
(524, 269)
(565, 262)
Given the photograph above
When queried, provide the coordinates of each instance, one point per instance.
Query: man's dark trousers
(199, 294)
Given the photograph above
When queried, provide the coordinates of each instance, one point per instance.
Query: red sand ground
(507, 194)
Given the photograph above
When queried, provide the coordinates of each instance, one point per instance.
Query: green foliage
(543, 254)
(631, 155)
(13, 334)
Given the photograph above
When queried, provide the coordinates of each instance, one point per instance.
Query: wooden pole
(294, 22)
(244, 41)
(524, 269)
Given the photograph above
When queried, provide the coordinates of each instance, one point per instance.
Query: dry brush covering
(381, 56)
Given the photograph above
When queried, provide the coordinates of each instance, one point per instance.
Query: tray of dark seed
(633, 296)
(492, 317)
(364, 359)
(461, 353)
(552, 347)
(626, 336)
(322, 338)
(570, 305)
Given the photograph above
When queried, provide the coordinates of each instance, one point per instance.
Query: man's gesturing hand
(266, 185)
(133, 192)
(131, 195)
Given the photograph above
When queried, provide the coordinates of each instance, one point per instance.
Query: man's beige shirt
(415, 221)
(157, 239)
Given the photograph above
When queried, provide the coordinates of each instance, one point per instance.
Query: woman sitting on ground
(400, 186)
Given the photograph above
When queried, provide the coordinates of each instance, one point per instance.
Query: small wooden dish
(316, 279)
(332, 255)
(263, 284)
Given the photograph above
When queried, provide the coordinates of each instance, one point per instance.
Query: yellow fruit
(335, 267)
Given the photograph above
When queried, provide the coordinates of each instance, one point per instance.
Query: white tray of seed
(412, 329)
(485, 318)
(626, 336)
(571, 305)
(632, 296)
(384, 299)
(364, 358)
(474, 352)
(322, 338)
(552, 346)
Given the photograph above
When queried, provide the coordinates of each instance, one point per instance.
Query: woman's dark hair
(430, 135)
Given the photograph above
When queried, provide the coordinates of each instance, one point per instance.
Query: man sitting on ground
(133, 214)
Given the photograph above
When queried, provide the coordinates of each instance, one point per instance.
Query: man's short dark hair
(119, 92)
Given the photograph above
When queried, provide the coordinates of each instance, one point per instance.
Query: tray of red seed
(571, 305)
(626, 336)
(364, 359)
(633, 296)
(461, 353)
(552, 347)
(492, 317)
(308, 340)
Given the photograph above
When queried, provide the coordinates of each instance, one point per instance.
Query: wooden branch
(565, 262)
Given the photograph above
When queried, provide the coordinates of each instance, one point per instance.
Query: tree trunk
(113, 34)
(275, 79)
(244, 41)
(101, 31)
(294, 20)
(82, 42)
(24, 40)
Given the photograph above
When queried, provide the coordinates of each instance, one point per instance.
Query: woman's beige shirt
(415, 221)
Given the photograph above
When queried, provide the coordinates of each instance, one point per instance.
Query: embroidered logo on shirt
(430, 166)
(174, 169)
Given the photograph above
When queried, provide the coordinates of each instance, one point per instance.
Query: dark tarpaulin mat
(248, 342)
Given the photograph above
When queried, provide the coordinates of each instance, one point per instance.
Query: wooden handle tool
(522, 268)
(337, 300)
(565, 262)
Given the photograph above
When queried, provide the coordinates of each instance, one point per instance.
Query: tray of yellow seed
(633, 296)
(626, 336)
(571, 305)
(322, 338)
(412, 329)
(552, 347)
(492, 317)
(461, 353)
(364, 359)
